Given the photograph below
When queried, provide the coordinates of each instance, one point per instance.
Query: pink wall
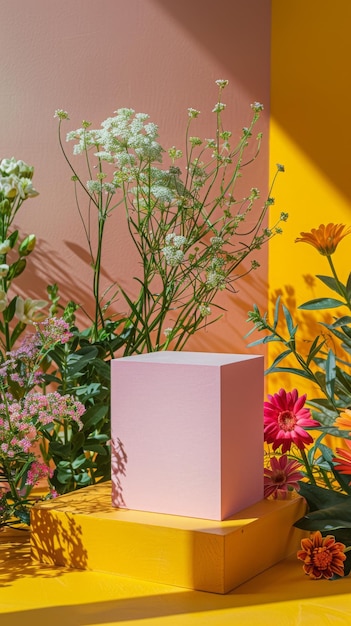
(90, 58)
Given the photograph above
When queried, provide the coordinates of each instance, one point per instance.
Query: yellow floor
(43, 595)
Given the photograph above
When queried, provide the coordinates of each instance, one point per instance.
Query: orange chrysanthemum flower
(325, 238)
(323, 557)
(344, 420)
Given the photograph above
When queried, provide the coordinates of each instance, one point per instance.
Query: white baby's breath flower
(168, 331)
(204, 310)
(61, 114)
(179, 241)
(222, 83)
(173, 255)
(162, 193)
(220, 106)
(94, 186)
(215, 280)
(257, 107)
(104, 156)
(193, 112)
(217, 242)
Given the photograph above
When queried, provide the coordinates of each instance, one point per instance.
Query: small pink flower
(285, 420)
(282, 475)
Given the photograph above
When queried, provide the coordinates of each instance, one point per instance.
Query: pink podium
(187, 433)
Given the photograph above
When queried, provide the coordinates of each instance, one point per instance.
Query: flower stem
(307, 467)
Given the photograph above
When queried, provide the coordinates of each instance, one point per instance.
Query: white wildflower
(173, 255)
(222, 83)
(215, 280)
(204, 310)
(220, 106)
(162, 193)
(217, 242)
(193, 112)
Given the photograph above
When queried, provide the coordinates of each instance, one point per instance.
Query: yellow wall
(310, 135)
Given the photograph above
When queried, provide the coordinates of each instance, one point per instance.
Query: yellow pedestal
(82, 530)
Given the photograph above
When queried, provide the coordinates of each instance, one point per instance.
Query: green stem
(307, 467)
(341, 287)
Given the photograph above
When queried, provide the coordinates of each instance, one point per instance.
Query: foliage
(326, 364)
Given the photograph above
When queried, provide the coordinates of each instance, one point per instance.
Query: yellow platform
(42, 595)
(81, 530)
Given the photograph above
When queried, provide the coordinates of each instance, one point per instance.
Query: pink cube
(187, 433)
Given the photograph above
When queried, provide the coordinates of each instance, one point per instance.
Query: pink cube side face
(187, 432)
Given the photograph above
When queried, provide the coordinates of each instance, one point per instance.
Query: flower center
(287, 420)
(322, 558)
(279, 477)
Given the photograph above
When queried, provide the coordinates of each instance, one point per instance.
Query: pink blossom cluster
(23, 365)
(21, 422)
(36, 472)
(51, 331)
(52, 407)
(17, 431)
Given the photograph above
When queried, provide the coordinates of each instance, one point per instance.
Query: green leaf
(60, 450)
(13, 238)
(77, 361)
(276, 313)
(321, 303)
(280, 357)
(342, 321)
(18, 330)
(289, 322)
(330, 373)
(331, 283)
(348, 287)
(287, 370)
(95, 447)
(319, 497)
(314, 349)
(94, 415)
(327, 519)
(266, 339)
(16, 269)
(23, 515)
(9, 312)
(77, 442)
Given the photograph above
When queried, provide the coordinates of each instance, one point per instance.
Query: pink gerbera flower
(282, 475)
(285, 419)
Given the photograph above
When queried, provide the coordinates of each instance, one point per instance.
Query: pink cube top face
(187, 432)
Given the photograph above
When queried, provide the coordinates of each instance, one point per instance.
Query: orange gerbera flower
(344, 420)
(325, 238)
(343, 462)
(323, 557)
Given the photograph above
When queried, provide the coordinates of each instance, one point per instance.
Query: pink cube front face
(187, 433)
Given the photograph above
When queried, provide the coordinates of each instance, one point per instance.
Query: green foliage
(326, 365)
